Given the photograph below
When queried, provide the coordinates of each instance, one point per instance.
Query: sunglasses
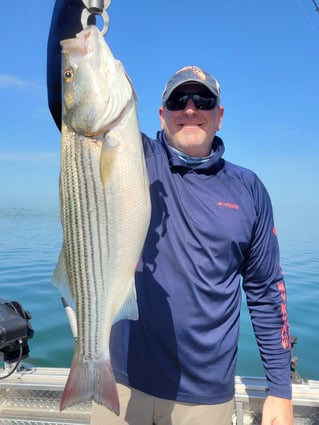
(178, 101)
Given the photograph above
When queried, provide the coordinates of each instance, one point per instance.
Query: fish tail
(91, 380)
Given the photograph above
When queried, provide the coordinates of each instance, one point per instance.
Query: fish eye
(68, 75)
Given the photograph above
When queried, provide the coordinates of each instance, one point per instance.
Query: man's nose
(190, 107)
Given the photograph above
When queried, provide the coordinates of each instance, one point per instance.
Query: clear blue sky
(264, 53)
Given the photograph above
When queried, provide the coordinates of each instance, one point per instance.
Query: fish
(105, 209)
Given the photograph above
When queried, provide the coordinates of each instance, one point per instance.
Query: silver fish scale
(84, 215)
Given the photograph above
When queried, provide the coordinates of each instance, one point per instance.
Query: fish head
(95, 86)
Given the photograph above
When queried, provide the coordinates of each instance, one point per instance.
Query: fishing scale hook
(96, 7)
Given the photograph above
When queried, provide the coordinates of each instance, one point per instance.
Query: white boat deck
(32, 397)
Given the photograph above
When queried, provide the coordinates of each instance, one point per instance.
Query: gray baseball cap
(191, 74)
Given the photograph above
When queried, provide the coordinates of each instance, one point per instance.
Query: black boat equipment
(15, 330)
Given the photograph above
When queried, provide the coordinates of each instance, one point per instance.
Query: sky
(265, 55)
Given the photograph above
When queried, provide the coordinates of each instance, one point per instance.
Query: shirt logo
(228, 205)
(285, 337)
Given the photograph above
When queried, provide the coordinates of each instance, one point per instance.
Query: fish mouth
(79, 42)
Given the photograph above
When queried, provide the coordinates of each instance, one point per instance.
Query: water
(30, 242)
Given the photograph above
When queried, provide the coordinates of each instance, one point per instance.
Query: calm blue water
(30, 242)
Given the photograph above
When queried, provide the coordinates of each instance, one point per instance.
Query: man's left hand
(277, 411)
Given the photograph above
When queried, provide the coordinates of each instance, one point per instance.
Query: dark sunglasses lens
(204, 103)
(178, 103)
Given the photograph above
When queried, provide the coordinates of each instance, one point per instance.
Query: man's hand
(277, 411)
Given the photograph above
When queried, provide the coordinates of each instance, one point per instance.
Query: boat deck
(32, 397)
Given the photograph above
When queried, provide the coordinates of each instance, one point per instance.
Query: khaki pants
(138, 408)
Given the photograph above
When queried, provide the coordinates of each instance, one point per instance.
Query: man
(211, 226)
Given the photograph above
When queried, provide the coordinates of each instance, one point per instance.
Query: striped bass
(105, 209)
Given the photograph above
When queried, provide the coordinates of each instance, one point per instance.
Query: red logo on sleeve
(285, 339)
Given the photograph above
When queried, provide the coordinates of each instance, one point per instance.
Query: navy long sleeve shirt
(211, 229)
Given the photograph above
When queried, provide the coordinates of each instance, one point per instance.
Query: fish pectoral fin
(129, 309)
(61, 280)
(107, 159)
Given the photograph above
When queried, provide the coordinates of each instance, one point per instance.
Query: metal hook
(96, 7)
(85, 17)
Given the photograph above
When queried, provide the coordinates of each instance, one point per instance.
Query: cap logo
(195, 70)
